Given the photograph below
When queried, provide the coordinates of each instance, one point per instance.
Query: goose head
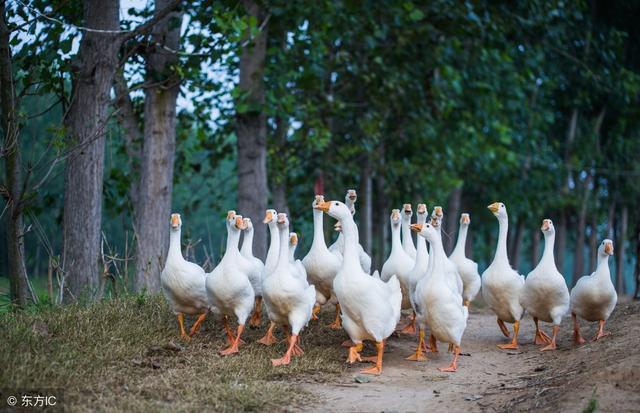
(248, 226)
(421, 212)
(231, 217)
(317, 200)
(282, 220)
(606, 248)
(238, 223)
(436, 216)
(427, 231)
(407, 212)
(335, 209)
(176, 222)
(395, 218)
(547, 227)
(293, 239)
(350, 200)
(498, 209)
(464, 219)
(270, 217)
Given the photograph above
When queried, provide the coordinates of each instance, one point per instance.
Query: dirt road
(603, 374)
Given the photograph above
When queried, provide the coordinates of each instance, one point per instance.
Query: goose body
(228, 286)
(594, 296)
(398, 263)
(467, 268)
(370, 307)
(320, 264)
(288, 297)
(183, 282)
(454, 280)
(257, 266)
(444, 313)
(545, 295)
(501, 284)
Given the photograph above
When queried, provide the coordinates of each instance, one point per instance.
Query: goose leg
(601, 333)
(269, 338)
(234, 347)
(577, 338)
(315, 312)
(354, 353)
(503, 328)
(541, 336)
(337, 323)
(514, 342)
(256, 317)
(453, 366)
(286, 359)
(552, 343)
(410, 328)
(183, 333)
(377, 369)
(297, 350)
(418, 356)
(196, 325)
(433, 344)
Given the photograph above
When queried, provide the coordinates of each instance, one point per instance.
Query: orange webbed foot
(542, 338)
(551, 346)
(450, 369)
(354, 353)
(255, 320)
(509, 346)
(600, 335)
(409, 328)
(286, 359)
(577, 338)
(417, 356)
(375, 370)
(233, 349)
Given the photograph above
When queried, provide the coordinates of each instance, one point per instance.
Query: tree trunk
(367, 210)
(11, 150)
(593, 243)
(251, 129)
(535, 248)
(561, 241)
(620, 251)
(86, 123)
(517, 242)
(158, 151)
(451, 218)
(637, 269)
(279, 193)
(578, 261)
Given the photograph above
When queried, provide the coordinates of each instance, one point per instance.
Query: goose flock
(436, 288)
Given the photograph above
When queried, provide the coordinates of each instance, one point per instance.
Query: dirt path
(489, 379)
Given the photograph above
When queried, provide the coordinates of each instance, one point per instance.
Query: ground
(124, 354)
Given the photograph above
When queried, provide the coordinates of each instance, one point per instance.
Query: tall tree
(251, 128)
(158, 150)
(10, 150)
(86, 123)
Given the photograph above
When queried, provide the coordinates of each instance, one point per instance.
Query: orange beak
(494, 207)
(239, 222)
(422, 208)
(267, 217)
(323, 206)
(395, 214)
(545, 225)
(438, 211)
(416, 227)
(281, 217)
(351, 193)
(175, 220)
(608, 249)
(407, 208)
(465, 219)
(231, 214)
(293, 238)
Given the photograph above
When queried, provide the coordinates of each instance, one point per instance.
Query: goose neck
(318, 230)
(547, 254)
(247, 243)
(462, 240)
(501, 250)
(396, 242)
(283, 254)
(351, 255)
(175, 250)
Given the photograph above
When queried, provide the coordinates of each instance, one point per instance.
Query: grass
(125, 354)
(592, 405)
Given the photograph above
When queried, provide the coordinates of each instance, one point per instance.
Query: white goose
(370, 307)
(270, 218)
(321, 265)
(594, 297)
(183, 282)
(289, 298)
(438, 303)
(419, 269)
(467, 268)
(501, 284)
(256, 273)
(338, 247)
(545, 295)
(228, 286)
(436, 222)
(398, 263)
(407, 239)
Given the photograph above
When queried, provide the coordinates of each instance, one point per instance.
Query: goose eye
(336, 204)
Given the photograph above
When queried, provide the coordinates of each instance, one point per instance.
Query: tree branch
(146, 27)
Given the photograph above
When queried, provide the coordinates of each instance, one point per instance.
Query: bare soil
(599, 376)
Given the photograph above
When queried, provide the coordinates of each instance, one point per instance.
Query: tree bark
(11, 151)
(279, 193)
(517, 242)
(535, 248)
(158, 151)
(86, 122)
(620, 251)
(366, 219)
(578, 261)
(451, 217)
(251, 130)
(637, 269)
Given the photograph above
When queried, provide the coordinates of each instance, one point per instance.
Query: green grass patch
(125, 354)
